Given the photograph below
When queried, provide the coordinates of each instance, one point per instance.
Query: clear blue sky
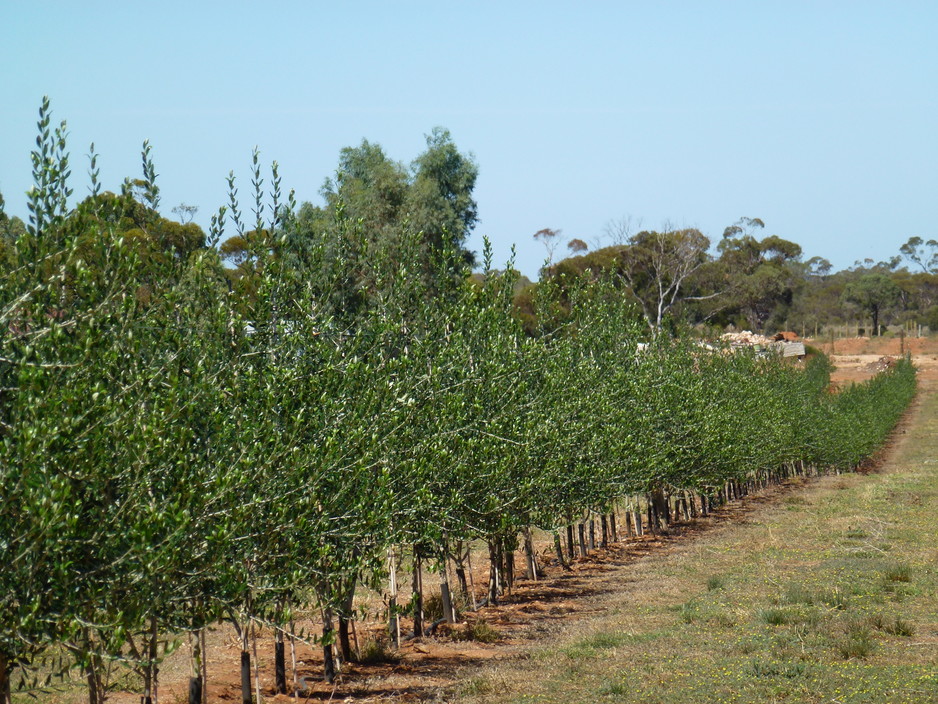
(818, 117)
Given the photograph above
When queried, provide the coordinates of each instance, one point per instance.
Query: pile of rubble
(745, 338)
(882, 364)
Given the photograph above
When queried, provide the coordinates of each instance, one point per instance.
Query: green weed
(378, 651)
(898, 573)
(478, 631)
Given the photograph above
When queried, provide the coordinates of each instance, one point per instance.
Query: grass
(378, 651)
(829, 595)
(478, 631)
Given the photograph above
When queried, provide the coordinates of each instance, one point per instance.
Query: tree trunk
(612, 526)
(494, 561)
(581, 534)
(149, 672)
(280, 663)
(344, 617)
(204, 666)
(636, 514)
(195, 690)
(296, 681)
(449, 613)
(571, 552)
(592, 534)
(257, 674)
(472, 582)
(559, 549)
(418, 595)
(195, 678)
(604, 525)
(459, 559)
(508, 561)
(95, 685)
(246, 696)
(529, 556)
(330, 668)
(394, 619)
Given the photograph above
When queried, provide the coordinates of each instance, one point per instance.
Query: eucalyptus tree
(874, 293)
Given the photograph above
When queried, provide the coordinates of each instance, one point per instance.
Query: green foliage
(172, 454)
(759, 275)
(872, 292)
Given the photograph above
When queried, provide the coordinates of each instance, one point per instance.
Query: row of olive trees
(172, 456)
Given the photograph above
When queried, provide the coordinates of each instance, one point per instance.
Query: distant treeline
(760, 284)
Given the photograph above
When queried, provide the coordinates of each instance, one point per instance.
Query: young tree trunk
(529, 556)
(204, 666)
(592, 542)
(459, 560)
(418, 595)
(296, 681)
(280, 663)
(571, 551)
(95, 683)
(257, 674)
(449, 613)
(149, 672)
(613, 530)
(494, 561)
(195, 690)
(581, 534)
(345, 616)
(394, 620)
(658, 504)
(636, 514)
(472, 583)
(558, 548)
(604, 526)
(330, 667)
(628, 524)
(246, 696)
(358, 650)
(508, 560)
(195, 676)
